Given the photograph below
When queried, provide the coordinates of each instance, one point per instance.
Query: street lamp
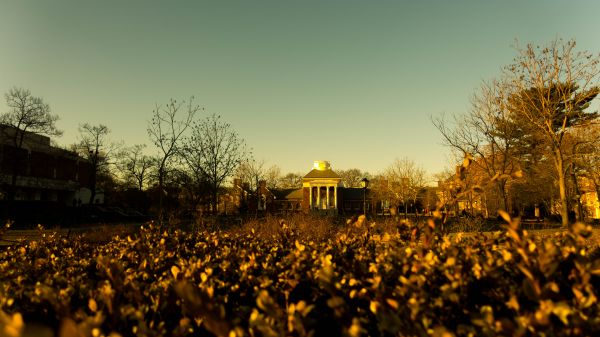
(364, 183)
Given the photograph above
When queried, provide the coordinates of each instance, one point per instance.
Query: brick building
(44, 172)
(322, 192)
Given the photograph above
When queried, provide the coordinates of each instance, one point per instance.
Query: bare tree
(551, 91)
(166, 130)
(273, 177)
(94, 145)
(352, 177)
(192, 179)
(445, 190)
(251, 171)
(135, 166)
(27, 114)
(404, 181)
(488, 136)
(215, 150)
(291, 180)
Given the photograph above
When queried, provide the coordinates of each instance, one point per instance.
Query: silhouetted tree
(166, 130)
(94, 145)
(135, 166)
(252, 171)
(216, 150)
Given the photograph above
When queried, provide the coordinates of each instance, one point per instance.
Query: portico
(323, 196)
(322, 185)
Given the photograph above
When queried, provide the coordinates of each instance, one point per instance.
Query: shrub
(284, 278)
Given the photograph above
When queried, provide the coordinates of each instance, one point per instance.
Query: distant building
(589, 199)
(321, 188)
(322, 192)
(44, 172)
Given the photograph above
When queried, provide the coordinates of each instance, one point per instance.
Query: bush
(287, 278)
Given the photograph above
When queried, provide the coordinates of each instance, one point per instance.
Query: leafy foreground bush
(357, 280)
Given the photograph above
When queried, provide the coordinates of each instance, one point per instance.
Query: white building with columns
(323, 186)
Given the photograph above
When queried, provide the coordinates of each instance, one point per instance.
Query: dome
(321, 165)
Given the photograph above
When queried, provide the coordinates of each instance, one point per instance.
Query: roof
(288, 193)
(328, 173)
(295, 194)
(354, 193)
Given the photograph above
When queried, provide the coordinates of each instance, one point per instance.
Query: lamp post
(364, 183)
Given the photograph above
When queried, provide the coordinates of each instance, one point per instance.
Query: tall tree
(551, 91)
(216, 150)
(166, 130)
(95, 146)
(27, 114)
(487, 135)
(135, 166)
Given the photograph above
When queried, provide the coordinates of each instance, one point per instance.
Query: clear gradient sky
(352, 82)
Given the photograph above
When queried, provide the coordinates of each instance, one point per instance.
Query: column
(318, 196)
(335, 196)
(310, 204)
(327, 203)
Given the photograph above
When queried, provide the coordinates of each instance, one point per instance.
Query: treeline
(530, 138)
(194, 155)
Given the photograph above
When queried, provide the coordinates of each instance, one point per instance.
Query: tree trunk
(597, 188)
(579, 214)
(215, 200)
(161, 178)
(562, 187)
(501, 185)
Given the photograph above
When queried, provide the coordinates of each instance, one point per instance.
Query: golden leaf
(374, 306)
(392, 303)
(92, 305)
(513, 303)
(504, 216)
(562, 311)
(355, 329)
(175, 271)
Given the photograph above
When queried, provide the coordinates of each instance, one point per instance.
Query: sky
(352, 82)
